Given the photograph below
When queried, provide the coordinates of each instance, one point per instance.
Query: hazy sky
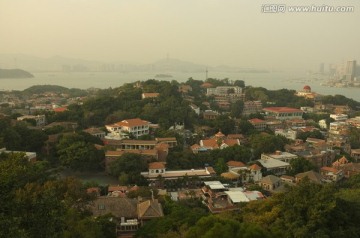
(213, 32)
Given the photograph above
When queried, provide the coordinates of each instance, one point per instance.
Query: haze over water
(85, 80)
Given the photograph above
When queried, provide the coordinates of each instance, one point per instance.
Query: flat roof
(237, 196)
(273, 163)
(179, 173)
(214, 185)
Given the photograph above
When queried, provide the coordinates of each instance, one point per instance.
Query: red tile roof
(281, 109)
(131, 122)
(231, 142)
(157, 165)
(234, 163)
(255, 167)
(329, 169)
(256, 120)
(150, 95)
(60, 109)
(210, 143)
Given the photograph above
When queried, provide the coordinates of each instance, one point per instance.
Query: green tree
(129, 165)
(78, 154)
(300, 165)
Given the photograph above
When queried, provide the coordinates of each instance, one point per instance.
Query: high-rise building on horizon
(350, 70)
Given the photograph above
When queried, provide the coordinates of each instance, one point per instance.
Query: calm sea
(84, 80)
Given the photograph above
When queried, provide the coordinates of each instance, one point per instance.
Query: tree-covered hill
(14, 73)
(39, 89)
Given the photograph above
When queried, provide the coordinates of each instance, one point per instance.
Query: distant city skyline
(215, 32)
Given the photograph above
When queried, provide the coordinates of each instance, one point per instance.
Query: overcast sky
(213, 32)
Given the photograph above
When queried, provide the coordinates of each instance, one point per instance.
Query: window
(101, 207)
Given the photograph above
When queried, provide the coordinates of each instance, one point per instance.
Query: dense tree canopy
(35, 204)
(78, 153)
(128, 167)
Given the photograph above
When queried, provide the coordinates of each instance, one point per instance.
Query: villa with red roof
(122, 129)
(283, 113)
(218, 141)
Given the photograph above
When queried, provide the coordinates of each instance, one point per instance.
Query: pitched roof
(231, 142)
(210, 143)
(206, 85)
(118, 206)
(329, 169)
(93, 130)
(254, 167)
(234, 163)
(157, 165)
(149, 209)
(219, 134)
(256, 120)
(343, 160)
(281, 109)
(113, 188)
(270, 179)
(131, 122)
(60, 109)
(229, 175)
(312, 175)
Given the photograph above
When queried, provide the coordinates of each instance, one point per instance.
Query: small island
(14, 74)
(163, 76)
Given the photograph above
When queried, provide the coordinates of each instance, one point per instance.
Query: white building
(39, 119)
(275, 166)
(287, 133)
(122, 129)
(279, 155)
(322, 124)
(339, 117)
(224, 91)
(283, 113)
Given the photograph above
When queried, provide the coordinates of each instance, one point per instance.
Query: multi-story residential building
(122, 129)
(232, 91)
(39, 119)
(274, 124)
(287, 133)
(279, 155)
(338, 128)
(355, 154)
(252, 107)
(331, 174)
(354, 122)
(283, 113)
(339, 117)
(274, 166)
(95, 132)
(210, 115)
(258, 124)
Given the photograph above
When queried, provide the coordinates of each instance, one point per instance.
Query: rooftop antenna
(206, 74)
